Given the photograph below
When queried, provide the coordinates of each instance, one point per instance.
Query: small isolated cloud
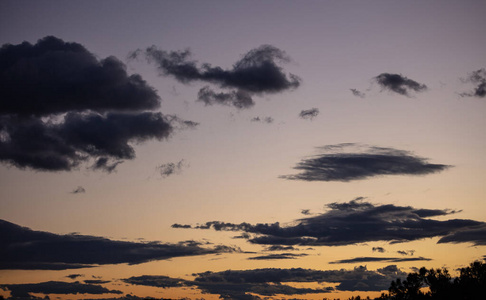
(399, 84)
(358, 221)
(309, 114)
(278, 256)
(79, 190)
(305, 212)
(55, 287)
(279, 248)
(479, 79)
(378, 259)
(77, 108)
(169, 169)
(26, 249)
(239, 99)
(357, 93)
(96, 281)
(379, 249)
(406, 252)
(346, 162)
(74, 276)
(268, 120)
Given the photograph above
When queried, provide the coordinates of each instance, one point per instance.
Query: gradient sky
(358, 126)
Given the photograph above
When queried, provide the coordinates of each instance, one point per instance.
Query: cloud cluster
(479, 79)
(238, 284)
(398, 83)
(309, 114)
(358, 221)
(346, 162)
(24, 290)
(23, 248)
(61, 106)
(257, 72)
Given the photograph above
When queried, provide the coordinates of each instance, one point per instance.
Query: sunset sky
(238, 149)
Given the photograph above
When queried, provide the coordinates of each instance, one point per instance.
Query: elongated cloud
(378, 259)
(399, 84)
(61, 106)
(479, 79)
(358, 221)
(277, 256)
(239, 99)
(258, 71)
(55, 287)
(23, 248)
(238, 284)
(346, 162)
(309, 113)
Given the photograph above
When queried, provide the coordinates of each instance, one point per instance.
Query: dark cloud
(258, 71)
(479, 79)
(305, 212)
(61, 107)
(378, 259)
(54, 76)
(239, 99)
(156, 281)
(96, 281)
(475, 235)
(399, 84)
(278, 256)
(79, 190)
(379, 249)
(360, 222)
(357, 164)
(406, 252)
(268, 120)
(55, 287)
(309, 114)
(169, 169)
(181, 226)
(357, 93)
(280, 248)
(74, 276)
(23, 248)
(238, 284)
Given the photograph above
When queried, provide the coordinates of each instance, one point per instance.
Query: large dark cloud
(23, 248)
(360, 222)
(55, 287)
(238, 284)
(378, 259)
(479, 79)
(258, 71)
(475, 235)
(60, 106)
(399, 84)
(54, 76)
(346, 162)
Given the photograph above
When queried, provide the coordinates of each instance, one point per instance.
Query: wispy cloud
(268, 120)
(479, 79)
(399, 84)
(346, 162)
(239, 99)
(309, 114)
(378, 259)
(278, 256)
(358, 221)
(169, 169)
(79, 190)
(55, 287)
(258, 71)
(23, 248)
(357, 93)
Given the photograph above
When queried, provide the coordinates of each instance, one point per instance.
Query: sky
(238, 149)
